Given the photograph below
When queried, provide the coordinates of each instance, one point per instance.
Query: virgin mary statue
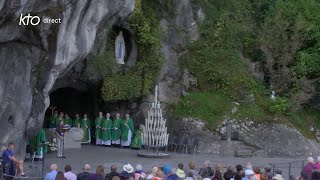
(120, 48)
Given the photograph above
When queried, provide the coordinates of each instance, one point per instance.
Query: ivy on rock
(139, 80)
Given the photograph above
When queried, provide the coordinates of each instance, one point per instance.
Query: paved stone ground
(107, 156)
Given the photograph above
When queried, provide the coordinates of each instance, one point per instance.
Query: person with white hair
(317, 164)
(53, 173)
(139, 173)
(309, 167)
(85, 175)
(249, 173)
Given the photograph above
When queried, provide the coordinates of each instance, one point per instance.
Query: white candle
(156, 94)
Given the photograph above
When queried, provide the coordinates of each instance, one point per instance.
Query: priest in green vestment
(126, 131)
(138, 138)
(76, 122)
(86, 126)
(60, 118)
(67, 120)
(106, 127)
(37, 141)
(116, 129)
(53, 119)
(98, 121)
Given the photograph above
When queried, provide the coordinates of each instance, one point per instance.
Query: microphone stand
(63, 146)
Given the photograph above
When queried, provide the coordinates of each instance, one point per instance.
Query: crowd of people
(206, 172)
(108, 131)
(311, 171)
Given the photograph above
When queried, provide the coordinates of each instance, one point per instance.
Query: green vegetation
(102, 65)
(304, 119)
(139, 80)
(283, 36)
(208, 106)
(121, 87)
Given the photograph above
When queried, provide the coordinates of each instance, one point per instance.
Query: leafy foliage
(280, 105)
(139, 80)
(288, 40)
(209, 106)
(214, 59)
(121, 87)
(102, 65)
(283, 36)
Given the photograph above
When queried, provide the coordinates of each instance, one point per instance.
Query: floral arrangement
(53, 145)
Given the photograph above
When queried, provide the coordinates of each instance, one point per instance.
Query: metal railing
(299, 164)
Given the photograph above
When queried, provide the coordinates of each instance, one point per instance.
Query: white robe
(128, 142)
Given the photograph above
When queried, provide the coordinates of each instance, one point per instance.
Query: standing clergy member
(60, 136)
(60, 118)
(98, 121)
(38, 144)
(86, 126)
(106, 127)
(138, 138)
(116, 129)
(76, 122)
(126, 131)
(67, 120)
(53, 119)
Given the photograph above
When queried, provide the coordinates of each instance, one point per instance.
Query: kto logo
(25, 20)
(35, 20)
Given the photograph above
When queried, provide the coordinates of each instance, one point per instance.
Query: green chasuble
(67, 121)
(125, 126)
(98, 121)
(116, 128)
(86, 125)
(58, 119)
(106, 126)
(137, 140)
(76, 123)
(39, 139)
(53, 120)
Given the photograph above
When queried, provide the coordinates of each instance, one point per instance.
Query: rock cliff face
(179, 29)
(33, 57)
(264, 139)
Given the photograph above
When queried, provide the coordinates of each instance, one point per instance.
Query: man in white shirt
(68, 174)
